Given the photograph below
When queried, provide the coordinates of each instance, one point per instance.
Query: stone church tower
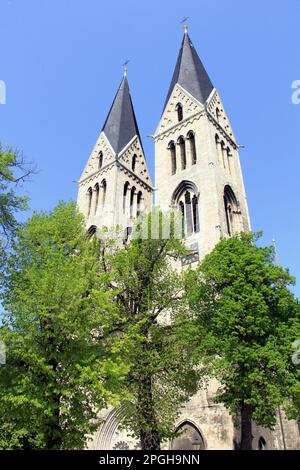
(197, 166)
(197, 171)
(115, 185)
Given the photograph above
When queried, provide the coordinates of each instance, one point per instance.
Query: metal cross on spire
(125, 67)
(185, 26)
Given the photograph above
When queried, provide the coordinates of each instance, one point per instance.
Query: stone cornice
(127, 171)
(221, 130)
(123, 168)
(178, 126)
(103, 170)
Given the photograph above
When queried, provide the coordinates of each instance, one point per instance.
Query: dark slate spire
(120, 125)
(190, 72)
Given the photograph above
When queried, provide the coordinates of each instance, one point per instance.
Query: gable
(141, 168)
(216, 109)
(102, 145)
(190, 107)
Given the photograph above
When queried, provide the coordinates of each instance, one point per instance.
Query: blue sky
(61, 61)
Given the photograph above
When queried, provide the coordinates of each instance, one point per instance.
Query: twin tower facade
(197, 168)
(197, 172)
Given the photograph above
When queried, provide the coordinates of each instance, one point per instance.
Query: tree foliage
(14, 170)
(61, 364)
(247, 320)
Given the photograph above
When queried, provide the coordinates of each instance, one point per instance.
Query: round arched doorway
(189, 438)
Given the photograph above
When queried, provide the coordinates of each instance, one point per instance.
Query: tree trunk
(246, 427)
(150, 438)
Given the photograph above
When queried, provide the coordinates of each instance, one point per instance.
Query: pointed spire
(120, 126)
(190, 73)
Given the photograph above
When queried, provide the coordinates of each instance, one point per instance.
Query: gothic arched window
(132, 194)
(179, 110)
(172, 149)
(139, 201)
(181, 143)
(188, 210)
(232, 212)
(188, 437)
(191, 138)
(185, 198)
(104, 188)
(218, 114)
(133, 163)
(90, 197)
(195, 212)
(91, 231)
(219, 150)
(224, 154)
(100, 160)
(181, 209)
(126, 186)
(97, 192)
(217, 140)
(228, 155)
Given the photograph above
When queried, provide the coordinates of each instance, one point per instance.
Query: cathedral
(198, 172)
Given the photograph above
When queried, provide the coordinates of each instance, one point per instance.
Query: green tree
(61, 363)
(247, 320)
(149, 291)
(14, 170)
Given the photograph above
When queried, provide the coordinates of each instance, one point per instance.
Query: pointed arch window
(100, 160)
(139, 203)
(133, 163)
(125, 191)
(181, 209)
(195, 212)
(91, 231)
(186, 198)
(218, 114)
(189, 437)
(188, 210)
(132, 194)
(228, 214)
(90, 197)
(104, 189)
(179, 110)
(97, 192)
(217, 140)
(191, 138)
(232, 212)
(219, 150)
(181, 143)
(172, 149)
(224, 154)
(228, 155)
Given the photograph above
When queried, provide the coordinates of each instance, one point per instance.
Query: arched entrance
(189, 438)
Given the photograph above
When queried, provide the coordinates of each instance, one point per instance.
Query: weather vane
(184, 20)
(125, 66)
